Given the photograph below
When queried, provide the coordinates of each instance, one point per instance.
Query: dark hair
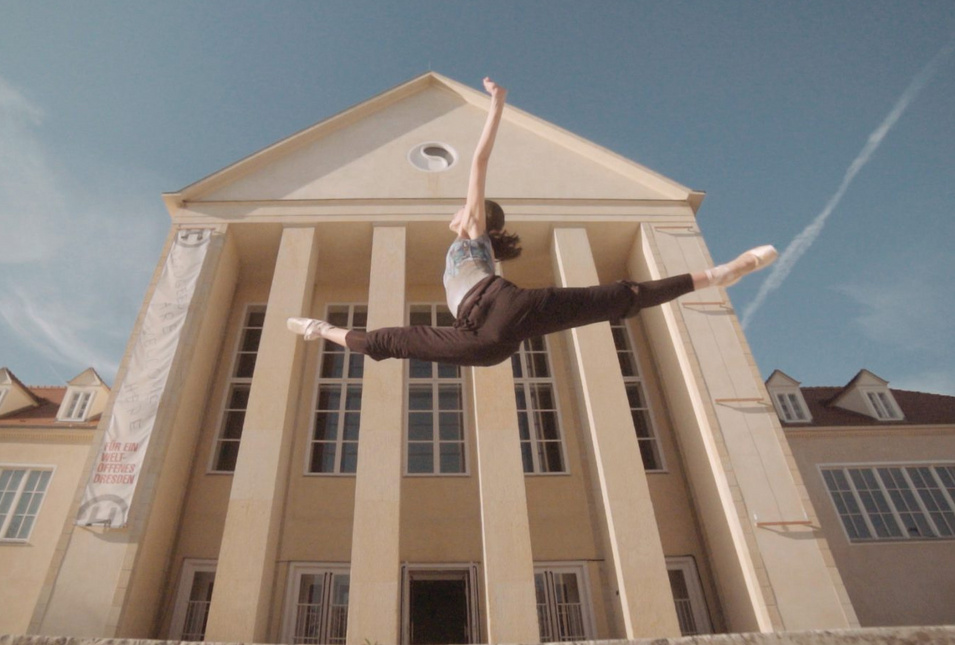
(507, 246)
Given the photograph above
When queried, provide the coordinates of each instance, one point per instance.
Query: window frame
(231, 383)
(526, 382)
(345, 383)
(891, 503)
(882, 404)
(578, 568)
(190, 567)
(639, 381)
(436, 381)
(686, 564)
(75, 407)
(794, 401)
(293, 589)
(12, 509)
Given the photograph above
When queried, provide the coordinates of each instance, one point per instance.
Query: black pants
(496, 316)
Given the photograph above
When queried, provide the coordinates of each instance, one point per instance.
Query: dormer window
(788, 399)
(883, 405)
(791, 407)
(77, 405)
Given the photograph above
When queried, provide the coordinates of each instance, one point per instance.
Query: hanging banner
(109, 490)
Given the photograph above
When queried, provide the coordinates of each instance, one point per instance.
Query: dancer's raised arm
(470, 221)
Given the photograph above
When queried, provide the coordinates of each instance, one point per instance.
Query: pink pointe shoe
(310, 328)
(726, 275)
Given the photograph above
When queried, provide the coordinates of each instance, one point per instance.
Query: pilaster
(375, 584)
(510, 595)
(634, 553)
(245, 573)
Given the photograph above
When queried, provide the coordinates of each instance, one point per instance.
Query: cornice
(862, 431)
(75, 434)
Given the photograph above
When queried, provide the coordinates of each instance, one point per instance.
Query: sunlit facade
(615, 481)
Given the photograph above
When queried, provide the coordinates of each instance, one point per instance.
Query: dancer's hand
(495, 90)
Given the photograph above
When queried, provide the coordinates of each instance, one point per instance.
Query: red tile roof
(49, 399)
(918, 408)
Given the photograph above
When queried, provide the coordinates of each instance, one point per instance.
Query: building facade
(46, 438)
(879, 466)
(614, 481)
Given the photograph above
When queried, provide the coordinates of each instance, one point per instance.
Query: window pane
(329, 398)
(333, 361)
(245, 366)
(250, 341)
(326, 426)
(527, 459)
(452, 426)
(552, 460)
(548, 429)
(351, 425)
(420, 458)
(349, 457)
(649, 455)
(641, 423)
(256, 318)
(356, 365)
(239, 398)
(228, 455)
(448, 371)
(420, 426)
(449, 397)
(323, 457)
(452, 458)
(420, 398)
(232, 429)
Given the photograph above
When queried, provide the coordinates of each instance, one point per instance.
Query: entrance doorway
(438, 607)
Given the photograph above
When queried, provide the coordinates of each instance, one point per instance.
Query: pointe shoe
(726, 275)
(310, 328)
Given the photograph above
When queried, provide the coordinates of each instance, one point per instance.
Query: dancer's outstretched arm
(470, 221)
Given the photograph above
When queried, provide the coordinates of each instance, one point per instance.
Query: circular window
(432, 156)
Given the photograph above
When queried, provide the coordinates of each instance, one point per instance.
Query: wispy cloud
(802, 243)
(909, 313)
(29, 196)
(71, 249)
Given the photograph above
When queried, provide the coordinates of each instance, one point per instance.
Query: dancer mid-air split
(492, 315)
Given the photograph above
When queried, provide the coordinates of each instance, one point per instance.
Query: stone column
(634, 554)
(242, 598)
(510, 597)
(374, 598)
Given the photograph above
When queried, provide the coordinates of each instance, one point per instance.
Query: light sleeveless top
(467, 263)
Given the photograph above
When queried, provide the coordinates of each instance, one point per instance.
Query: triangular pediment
(780, 379)
(363, 153)
(87, 378)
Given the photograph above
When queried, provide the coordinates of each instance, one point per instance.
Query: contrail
(788, 258)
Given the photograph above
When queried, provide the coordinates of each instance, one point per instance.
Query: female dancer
(492, 315)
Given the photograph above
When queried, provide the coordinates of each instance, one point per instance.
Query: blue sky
(824, 127)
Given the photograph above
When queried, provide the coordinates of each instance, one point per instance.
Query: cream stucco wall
(24, 564)
(904, 582)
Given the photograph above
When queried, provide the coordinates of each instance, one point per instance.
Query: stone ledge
(936, 635)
